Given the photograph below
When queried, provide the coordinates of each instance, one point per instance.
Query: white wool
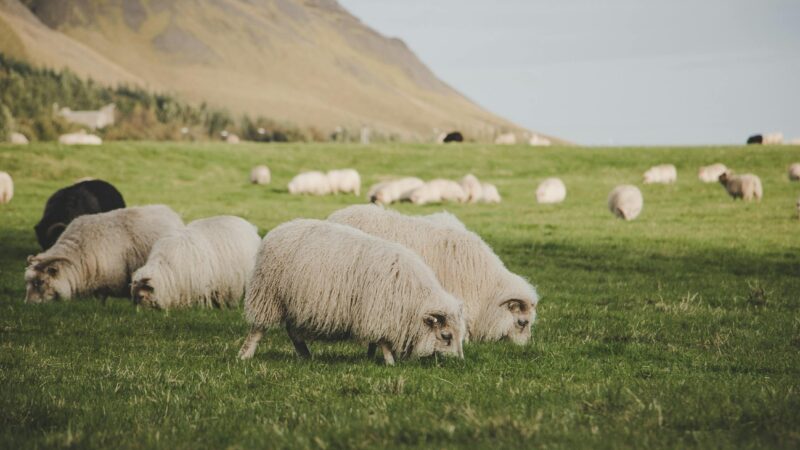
(506, 139)
(464, 264)
(539, 141)
(6, 187)
(437, 191)
(490, 193)
(794, 172)
(232, 139)
(207, 263)
(446, 219)
(551, 190)
(775, 138)
(389, 192)
(710, 174)
(345, 181)
(472, 187)
(746, 186)
(98, 253)
(260, 175)
(661, 174)
(79, 138)
(626, 201)
(326, 280)
(18, 138)
(314, 183)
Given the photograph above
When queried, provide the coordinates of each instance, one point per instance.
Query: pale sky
(613, 72)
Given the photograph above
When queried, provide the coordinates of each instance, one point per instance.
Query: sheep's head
(442, 333)
(48, 236)
(724, 176)
(46, 279)
(144, 293)
(510, 315)
(380, 197)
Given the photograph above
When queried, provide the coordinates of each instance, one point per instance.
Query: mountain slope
(308, 62)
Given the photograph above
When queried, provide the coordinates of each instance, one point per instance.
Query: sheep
(506, 139)
(661, 174)
(260, 175)
(626, 202)
(345, 181)
(747, 186)
(6, 187)
(472, 187)
(394, 191)
(794, 172)
(314, 183)
(79, 138)
(551, 190)
(710, 174)
(18, 138)
(775, 138)
(490, 193)
(97, 254)
(453, 136)
(498, 303)
(438, 190)
(84, 197)
(206, 263)
(539, 141)
(325, 280)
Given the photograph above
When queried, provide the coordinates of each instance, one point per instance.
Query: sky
(613, 72)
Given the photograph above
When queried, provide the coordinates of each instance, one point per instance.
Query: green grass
(679, 329)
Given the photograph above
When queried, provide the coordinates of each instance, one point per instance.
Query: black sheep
(755, 139)
(454, 136)
(86, 197)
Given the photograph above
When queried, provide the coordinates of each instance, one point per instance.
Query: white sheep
(794, 172)
(345, 181)
(710, 174)
(490, 193)
(206, 264)
(626, 201)
(498, 303)
(539, 141)
(18, 138)
(314, 183)
(506, 139)
(551, 190)
(662, 174)
(389, 192)
(437, 191)
(324, 280)
(746, 186)
(98, 253)
(775, 138)
(79, 138)
(6, 187)
(472, 187)
(260, 175)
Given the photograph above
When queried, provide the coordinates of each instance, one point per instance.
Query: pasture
(679, 329)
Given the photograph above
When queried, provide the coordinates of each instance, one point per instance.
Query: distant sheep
(260, 175)
(539, 141)
(746, 186)
(325, 280)
(207, 264)
(710, 174)
(6, 187)
(85, 197)
(551, 190)
(626, 202)
(794, 172)
(437, 191)
(775, 138)
(661, 174)
(18, 138)
(345, 181)
(98, 253)
(506, 139)
(453, 136)
(490, 193)
(79, 138)
(314, 183)
(389, 192)
(755, 139)
(498, 303)
(472, 187)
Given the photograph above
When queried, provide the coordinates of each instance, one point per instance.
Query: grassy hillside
(680, 329)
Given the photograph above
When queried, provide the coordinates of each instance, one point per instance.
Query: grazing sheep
(344, 181)
(6, 187)
(18, 138)
(472, 187)
(794, 172)
(79, 138)
(314, 183)
(97, 254)
(775, 138)
(551, 190)
(506, 139)
(626, 201)
(747, 186)
(325, 280)
(490, 193)
(85, 197)
(260, 175)
(232, 139)
(710, 174)
(394, 191)
(661, 174)
(206, 263)
(437, 191)
(539, 141)
(498, 303)
(453, 136)
(755, 139)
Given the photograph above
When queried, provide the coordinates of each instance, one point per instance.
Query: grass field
(680, 329)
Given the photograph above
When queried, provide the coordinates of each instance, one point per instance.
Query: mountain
(308, 62)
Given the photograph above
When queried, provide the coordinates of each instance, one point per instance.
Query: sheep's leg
(250, 343)
(299, 345)
(387, 354)
(371, 349)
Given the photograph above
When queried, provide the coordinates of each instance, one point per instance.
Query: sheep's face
(517, 317)
(380, 198)
(46, 280)
(143, 293)
(723, 177)
(442, 333)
